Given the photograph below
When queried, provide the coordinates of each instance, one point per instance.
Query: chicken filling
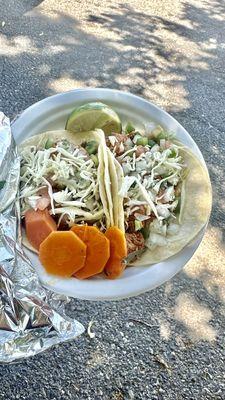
(154, 172)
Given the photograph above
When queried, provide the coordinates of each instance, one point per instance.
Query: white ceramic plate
(51, 113)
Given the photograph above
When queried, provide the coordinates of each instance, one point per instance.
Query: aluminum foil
(32, 319)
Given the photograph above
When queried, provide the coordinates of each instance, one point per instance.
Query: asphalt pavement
(168, 343)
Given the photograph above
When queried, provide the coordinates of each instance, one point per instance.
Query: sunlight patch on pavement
(195, 317)
(15, 46)
(208, 263)
(164, 328)
(44, 69)
(52, 50)
(64, 84)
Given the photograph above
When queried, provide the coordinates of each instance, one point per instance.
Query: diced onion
(173, 229)
(156, 239)
(113, 140)
(162, 210)
(141, 217)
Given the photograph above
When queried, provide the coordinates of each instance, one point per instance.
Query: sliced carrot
(118, 250)
(115, 268)
(97, 250)
(62, 253)
(38, 224)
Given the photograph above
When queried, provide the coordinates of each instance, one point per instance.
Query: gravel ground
(169, 343)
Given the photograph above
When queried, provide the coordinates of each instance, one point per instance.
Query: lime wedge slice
(92, 116)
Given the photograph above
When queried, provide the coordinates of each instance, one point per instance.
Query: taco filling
(151, 171)
(61, 177)
(128, 196)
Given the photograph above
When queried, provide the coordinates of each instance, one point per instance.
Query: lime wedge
(92, 116)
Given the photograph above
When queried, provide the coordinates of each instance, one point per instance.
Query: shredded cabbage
(71, 179)
(152, 174)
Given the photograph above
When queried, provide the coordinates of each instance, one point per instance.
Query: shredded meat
(119, 145)
(149, 220)
(177, 190)
(63, 226)
(121, 137)
(131, 219)
(131, 135)
(108, 143)
(160, 196)
(135, 241)
(141, 209)
(44, 201)
(119, 149)
(140, 150)
(43, 192)
(131, 223)
(167, 144)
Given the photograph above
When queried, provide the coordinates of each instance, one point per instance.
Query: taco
(161, 193)
(63, 174)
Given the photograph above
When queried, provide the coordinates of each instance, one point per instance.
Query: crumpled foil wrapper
(32, 319)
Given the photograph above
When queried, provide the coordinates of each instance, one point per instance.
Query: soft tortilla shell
(116, 174)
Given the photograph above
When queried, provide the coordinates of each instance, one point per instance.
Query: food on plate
(63, 179)
(92, 116)
(98, 250)
(62, 253)
(118, 252)
(38, 224)
(98, 200)
(161, 192)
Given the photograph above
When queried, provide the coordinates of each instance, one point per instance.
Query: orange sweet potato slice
(118, 250)
(62, 253)
(38, 225)
(97, 250)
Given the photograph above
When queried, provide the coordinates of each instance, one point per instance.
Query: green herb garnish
(95, 159)
(129, 128)
(142, 141)
(151, 142)
(173, 153)
(2, 184)
(138, 225)
(49, 143)
(92, 147)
